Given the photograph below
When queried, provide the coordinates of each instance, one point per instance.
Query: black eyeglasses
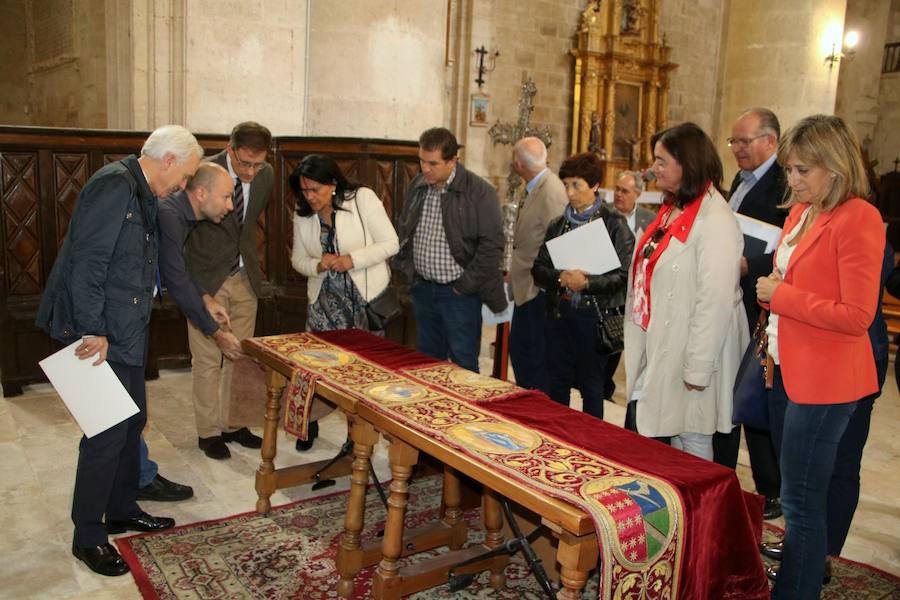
(653, 243)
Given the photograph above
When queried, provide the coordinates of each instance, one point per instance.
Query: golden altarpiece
(621, 83)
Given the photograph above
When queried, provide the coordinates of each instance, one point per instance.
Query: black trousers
(106, 482)
(763, 462)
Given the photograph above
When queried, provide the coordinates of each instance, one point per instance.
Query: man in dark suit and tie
(545, 199)
(223, 263)
(756, 192)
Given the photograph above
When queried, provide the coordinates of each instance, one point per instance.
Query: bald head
(209, 192)
(529, 157)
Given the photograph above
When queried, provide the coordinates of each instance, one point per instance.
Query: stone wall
(774, 57)
(13, 72)
(245, 61)
(534, 39)
(53, 63)
(694, 30)
(376, 72)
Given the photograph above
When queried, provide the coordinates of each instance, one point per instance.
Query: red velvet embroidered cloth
(669, 525)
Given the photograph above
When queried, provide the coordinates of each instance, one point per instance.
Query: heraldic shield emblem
(640, 513)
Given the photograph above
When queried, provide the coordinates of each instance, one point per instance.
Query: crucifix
(509, 134)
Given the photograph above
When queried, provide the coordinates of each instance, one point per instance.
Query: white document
(586, 248)
(94, 395)
(759, 230)
(491, 318)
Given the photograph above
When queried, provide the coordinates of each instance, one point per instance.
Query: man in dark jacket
(756, 192)
(223, 263)
(451, 244)
(100, 292)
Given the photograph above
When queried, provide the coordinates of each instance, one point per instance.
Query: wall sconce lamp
(846, 52)
(483, 68)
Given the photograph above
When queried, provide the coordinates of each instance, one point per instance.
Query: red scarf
(680, 228)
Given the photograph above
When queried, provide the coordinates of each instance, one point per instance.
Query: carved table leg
(349, 555)
(576, 555)
(403, 458)
(452, 517)
(265, 475)
(493, 536)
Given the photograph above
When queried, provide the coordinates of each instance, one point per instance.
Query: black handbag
(386, 306)
(383, 308)
(610, 331)
(754, 379)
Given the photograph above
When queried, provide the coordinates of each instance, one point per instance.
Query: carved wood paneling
(22, 248)
(70, 173)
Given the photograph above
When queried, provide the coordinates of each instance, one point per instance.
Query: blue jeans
(149, 468)
(448, 325)
(526, 344)
(806, 437)
(573, 360)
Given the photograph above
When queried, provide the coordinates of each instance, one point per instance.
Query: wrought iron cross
(510, 133)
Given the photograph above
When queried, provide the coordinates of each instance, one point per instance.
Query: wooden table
(577, 551)
(268, 478)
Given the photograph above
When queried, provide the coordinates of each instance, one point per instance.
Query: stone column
(775, 57)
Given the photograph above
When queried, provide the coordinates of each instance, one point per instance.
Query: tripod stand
(519, 542)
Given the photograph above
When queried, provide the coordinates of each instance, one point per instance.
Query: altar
(656, 522)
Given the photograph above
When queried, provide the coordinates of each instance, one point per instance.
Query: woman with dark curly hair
(685, 324)
(576, 300)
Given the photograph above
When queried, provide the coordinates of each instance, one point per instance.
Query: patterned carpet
(289, 554)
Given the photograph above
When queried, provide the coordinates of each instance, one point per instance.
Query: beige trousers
(210, 369)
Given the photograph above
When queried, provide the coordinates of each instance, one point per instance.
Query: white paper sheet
(489, 317)
(94, 395)
(586, 248)
(760, 230)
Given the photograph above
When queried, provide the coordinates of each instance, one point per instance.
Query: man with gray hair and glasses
(545, 199)
(629, 186)
(100, 292)
(757, 190)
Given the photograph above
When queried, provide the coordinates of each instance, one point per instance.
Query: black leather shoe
(102, 559)
(772, 509)
(312, 433)
(142, 522)
(243, 437)
(163, 490)
(773, 550)
(214, 447)
(772, 572)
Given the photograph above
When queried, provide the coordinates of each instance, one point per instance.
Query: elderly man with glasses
(223, 263)
(756, 192)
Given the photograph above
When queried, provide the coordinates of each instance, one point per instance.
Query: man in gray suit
(223, 263)
(545, 198)
(629, 186)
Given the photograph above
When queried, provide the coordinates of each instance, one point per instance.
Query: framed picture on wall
(478, 113)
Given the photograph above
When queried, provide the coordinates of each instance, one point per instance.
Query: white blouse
(782, 259)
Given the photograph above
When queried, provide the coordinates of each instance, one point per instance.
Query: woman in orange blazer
(823, 294)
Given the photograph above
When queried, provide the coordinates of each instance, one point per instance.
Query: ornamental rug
(850, 580)
(289, 555)
(639, 519)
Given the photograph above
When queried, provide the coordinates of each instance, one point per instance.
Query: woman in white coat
(685, 325)
(343, 239)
